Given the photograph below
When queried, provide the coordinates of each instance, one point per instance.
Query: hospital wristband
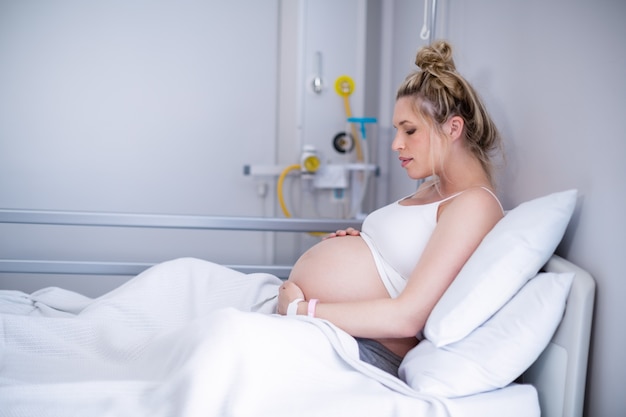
(292, 308)
(311, 308)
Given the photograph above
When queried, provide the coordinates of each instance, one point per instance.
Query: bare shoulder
(477, 204)
(482, 196)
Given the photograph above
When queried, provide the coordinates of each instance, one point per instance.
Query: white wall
(155, 107)
(133, 106)
(552, 74)
(149, 106)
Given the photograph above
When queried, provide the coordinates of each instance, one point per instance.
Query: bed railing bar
(72, 267)
(168, 221)
(112, 268)
(281, 271)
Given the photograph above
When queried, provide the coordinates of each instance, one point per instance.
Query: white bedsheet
(186, 338)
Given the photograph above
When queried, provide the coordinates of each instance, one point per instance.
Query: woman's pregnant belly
(338, 269)
(343, 269)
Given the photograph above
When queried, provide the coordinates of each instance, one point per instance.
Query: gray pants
(376, 354)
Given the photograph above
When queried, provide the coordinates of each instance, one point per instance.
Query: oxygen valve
(309, 161)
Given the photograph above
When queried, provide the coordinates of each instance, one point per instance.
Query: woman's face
(412, 139)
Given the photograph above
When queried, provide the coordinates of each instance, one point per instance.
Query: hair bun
(435, 58)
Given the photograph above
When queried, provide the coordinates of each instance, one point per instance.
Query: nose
(397, 143)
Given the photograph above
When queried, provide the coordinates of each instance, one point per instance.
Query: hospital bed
(557, 377)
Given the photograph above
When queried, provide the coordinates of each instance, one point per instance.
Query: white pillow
(511, 253)
(497, 352)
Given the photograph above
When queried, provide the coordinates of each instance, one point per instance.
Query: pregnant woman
(380, 284)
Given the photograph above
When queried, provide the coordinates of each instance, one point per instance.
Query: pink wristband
(311, 309)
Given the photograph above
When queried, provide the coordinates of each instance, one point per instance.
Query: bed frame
(559, 374)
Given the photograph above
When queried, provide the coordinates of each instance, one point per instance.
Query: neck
(464, 171)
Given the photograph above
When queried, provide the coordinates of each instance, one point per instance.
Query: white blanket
(186, 338)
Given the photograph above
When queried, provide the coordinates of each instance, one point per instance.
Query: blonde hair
(440, 92)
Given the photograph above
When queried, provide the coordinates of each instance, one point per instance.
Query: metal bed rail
(169, 221)
(153, 221)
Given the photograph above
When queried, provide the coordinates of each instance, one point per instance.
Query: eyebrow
(403, 122)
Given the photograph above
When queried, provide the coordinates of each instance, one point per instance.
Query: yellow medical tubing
(279, 187)
(281, 197)
(344, 86)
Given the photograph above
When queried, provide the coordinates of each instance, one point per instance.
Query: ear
(454, 127)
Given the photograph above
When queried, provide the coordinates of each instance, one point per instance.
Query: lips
(405, 161)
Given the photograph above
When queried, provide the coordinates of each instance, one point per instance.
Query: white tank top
(397, 235)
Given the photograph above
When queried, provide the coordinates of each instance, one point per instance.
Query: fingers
(288, 292)
(350, 231)
(291, 291)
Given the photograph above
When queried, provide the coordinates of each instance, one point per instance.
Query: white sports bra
(397, 235)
